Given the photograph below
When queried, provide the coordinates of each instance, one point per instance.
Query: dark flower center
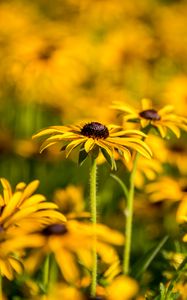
(46, 53)
(184, 189)
(95, 130)
(150, 114)
(177, 148)
(1, 228)
(55, 229)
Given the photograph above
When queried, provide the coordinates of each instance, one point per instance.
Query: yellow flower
(122, 288)
(71, 202)
(62, 291)
(146, 169)
(176, 154)
(163, 119)
(74, 240)
(11, 251)
(170, 189)
(167, 188)
(9, 263)
(95, 136)
(23, 211)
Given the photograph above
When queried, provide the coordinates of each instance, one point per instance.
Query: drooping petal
(66, 262)
(88, 146)
(162, 130)
(73, 145)
(7, 191)
(15, 264)
(174, 129)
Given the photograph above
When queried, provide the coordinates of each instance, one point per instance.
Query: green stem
(93, 182)
(46, 273)
(129, 219)
(1, 287)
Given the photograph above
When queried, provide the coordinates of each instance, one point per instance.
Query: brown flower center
(184, 189)
(150, 114)
(55, 229)
(95, 130)
(46, 53)
(177, 148)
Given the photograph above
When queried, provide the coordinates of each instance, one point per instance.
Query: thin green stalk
(46, 273)
(129, 219)
(93, 182)
(1, 287)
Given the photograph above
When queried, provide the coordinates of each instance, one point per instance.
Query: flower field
(93, 160)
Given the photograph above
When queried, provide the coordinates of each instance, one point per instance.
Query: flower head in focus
(95, 137)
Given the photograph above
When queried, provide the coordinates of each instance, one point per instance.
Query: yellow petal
(181, 211)
(174, 129)
(23, 213)
(10, 208)
(127, 155)
(128, 133)
(5, 269)
(16, 265)
(67, 264)
(162, 130)
(50, 130)
(51, 215)
(35, 199)
(146, 104)
(73, 145)
(144, 123)
(88, 146)
(46, 145)
(165, 110)
(106, 252)
(25, 241)
(7, 191)
(30, 189)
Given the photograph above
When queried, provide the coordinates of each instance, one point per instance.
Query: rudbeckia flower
(163, 119)
(95, 136)
(72, 241)
(12, 250)
(70, 201)
(172, 190)
(9, 262)
(23, 211)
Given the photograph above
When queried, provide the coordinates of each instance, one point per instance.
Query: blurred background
(65, 61)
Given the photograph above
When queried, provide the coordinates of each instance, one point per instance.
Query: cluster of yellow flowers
(88, 63)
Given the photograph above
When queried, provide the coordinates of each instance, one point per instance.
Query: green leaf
(82, 157)
(142, 265)
(109, 159)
